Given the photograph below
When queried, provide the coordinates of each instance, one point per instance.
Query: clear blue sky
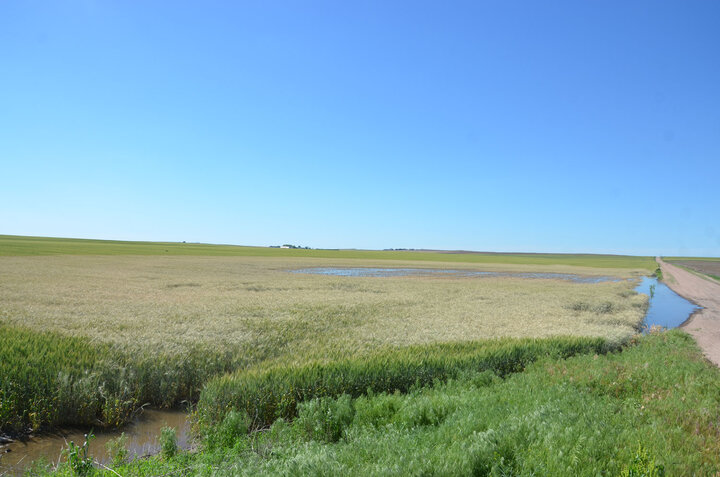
(576, 126)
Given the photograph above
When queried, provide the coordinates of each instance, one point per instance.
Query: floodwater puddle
(409, 272)
(142, 439)
(666, 308)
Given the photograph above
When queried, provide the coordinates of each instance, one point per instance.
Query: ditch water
(418, 272)
(667, 308)
(142, 434)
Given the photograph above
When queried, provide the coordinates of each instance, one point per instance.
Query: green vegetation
(11, 245)
(168, 442)
(648, 410)
(275, 393)
(78, 458)
(55, 380)
(117, 450)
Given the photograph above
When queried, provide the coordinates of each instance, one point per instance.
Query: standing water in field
(666, 308)
(417, 272)
(142, 439)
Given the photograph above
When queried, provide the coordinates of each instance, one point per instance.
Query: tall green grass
(53, 380)
(269, 394)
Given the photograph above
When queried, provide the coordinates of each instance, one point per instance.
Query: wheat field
(255, 304)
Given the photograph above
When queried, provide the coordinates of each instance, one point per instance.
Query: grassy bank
(274, 393)
(651, 409)
(13, 245)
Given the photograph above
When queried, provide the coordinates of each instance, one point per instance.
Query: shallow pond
(667, 308)
(143, 439)
(408, 272)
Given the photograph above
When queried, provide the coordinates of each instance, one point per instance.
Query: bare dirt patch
(707, 267)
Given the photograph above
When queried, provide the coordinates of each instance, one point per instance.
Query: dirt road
(704, 325)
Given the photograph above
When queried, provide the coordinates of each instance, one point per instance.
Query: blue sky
(484, 125)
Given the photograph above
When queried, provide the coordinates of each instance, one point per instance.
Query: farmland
(194, 316)
(91, 330)
(12, 245)
(705, 266)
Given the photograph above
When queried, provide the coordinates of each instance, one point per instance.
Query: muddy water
(143, 439)
(667, 308)
(406, 272)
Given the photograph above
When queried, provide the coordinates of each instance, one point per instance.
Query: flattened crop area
(254, 306)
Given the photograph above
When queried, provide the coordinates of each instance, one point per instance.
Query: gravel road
(704, 325)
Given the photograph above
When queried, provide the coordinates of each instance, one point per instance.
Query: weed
(605, 307)
(77, 457)
(168, 442)
(234, 426)
(579, 306)
(117, 450)
(643, 465)
(325, 419)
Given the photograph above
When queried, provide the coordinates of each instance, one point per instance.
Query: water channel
(666, 308)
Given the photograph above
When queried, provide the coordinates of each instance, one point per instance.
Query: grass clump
(233, 426)
(117, 450)
(77, 457)
(325, 419)
(168, 442)
(643, 465)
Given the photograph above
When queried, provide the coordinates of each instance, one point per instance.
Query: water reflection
(405, 272)
(666, 308)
